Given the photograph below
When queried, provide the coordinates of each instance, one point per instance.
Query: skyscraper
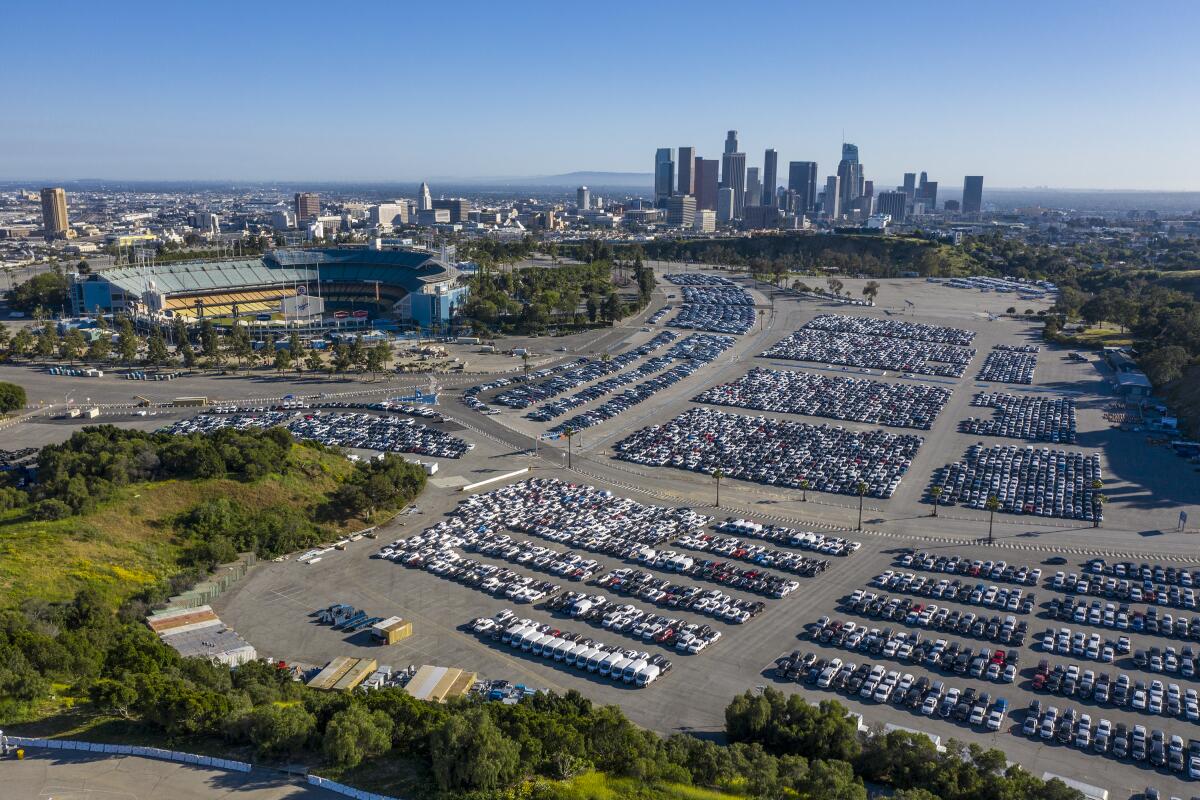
(927, 193)
(425, 201)
(733, 176)
(833, 197)
(850, 152)
(664, 176)
(731, 142)
(770, 176)
(308, 206)
(802, 179)
(753, 187)
(687, 170)
(910, 185)
(54, 213)
(850, 174)
(583, 198)
(893, 203)
(681, 211)
(972, 199)
(724, 204)
(707, 182)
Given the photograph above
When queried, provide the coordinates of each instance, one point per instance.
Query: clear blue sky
(1098, 94)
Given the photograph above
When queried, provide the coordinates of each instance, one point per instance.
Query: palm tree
(761, 313)
(936, 493)
(525, 363)
(862, 491)
(992, 504)
(804, 487)
(1098, 501)
(717, 475)
(569, 433)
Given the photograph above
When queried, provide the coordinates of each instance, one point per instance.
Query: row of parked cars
(526, 393)
(1008, 366)
(901, 405)
(685, 637)
(864, 351)
(732, 547)
(712, 303)
(561, 405)
(657, 316)
(893, 329)
(445, 563)
(1153, 697)
(1158, 573)
(717, 295)
(356, 430)
(998, 570)
(1007, 631)
(1120, 741)
(569, 565)
(630, 397)
(754, 580)
(778, 534)
(1123, 617)
(637, 668)
(470, 395)
(775, 452)
(949, 656)
(1083, 645)
(875, 682)
(1136, 589)
(653, 589)
(1000, 597)
(1024, 480)
(1044, 419)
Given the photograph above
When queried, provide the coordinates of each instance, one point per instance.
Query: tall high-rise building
(770, 176)
(681, 211)
(687, 170)
(664, 176)
(850, 152)
(583, 198)
(850, 173)
(927, 193)
(724, 204)
(833, 197)
(425, 201)
(753, 188)
(910, 186)
(308, 206)
(802, 179)
(54, 213)
(733, 176)
(894, 204)
(707, 183)
(460, 209)
(972, 199)
(731, 142)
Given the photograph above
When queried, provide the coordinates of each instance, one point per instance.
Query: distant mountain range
(624, 180)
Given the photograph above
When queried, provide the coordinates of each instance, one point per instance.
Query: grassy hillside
(127, 542)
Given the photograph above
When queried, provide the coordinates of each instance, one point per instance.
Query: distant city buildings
(664, 176)
(687, 170)
(725, 207)
(893, 204)
(681, 211)
(802, 185)
(308, 207)
(583, 198)
(707, 183)
(770, 176)
(753, 188)
(54, 214)
(733, 177)
(424, 199)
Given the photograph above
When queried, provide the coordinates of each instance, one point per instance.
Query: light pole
(991, 505)
(569, 433)
(862, 491)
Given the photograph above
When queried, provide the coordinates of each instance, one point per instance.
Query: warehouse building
(198, 632)
(440, 683)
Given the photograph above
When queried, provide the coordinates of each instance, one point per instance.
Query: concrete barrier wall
(342, 789)
(131, 750)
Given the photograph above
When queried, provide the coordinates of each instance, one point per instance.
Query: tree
(593, 307)
(113, 696)
(1165, 364)
(47, 341)
(313, 360)
(835, 286)
(280, 731)
(871, 290)
(73, 344)
(12, 397)
(210, 343)
(804, 487)
(1098, 501)
(355, 733)
(470, 753)
(156, 349)
(936, 494)
(861, 489)
(239, 344)
(717, 475)
(341, 358)
(22, 343)
(832, 780)
(992, 504)
(127, 342)
(374, 360)
(568, 432)
(47, 290)
(283, 359)
(612, 307)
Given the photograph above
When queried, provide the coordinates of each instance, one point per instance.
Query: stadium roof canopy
(408, 269)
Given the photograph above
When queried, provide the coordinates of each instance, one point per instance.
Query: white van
(630, 673)
(647, 675)
(595, 657)
(606, 665)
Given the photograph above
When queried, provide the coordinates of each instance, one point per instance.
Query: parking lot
(775, 533)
